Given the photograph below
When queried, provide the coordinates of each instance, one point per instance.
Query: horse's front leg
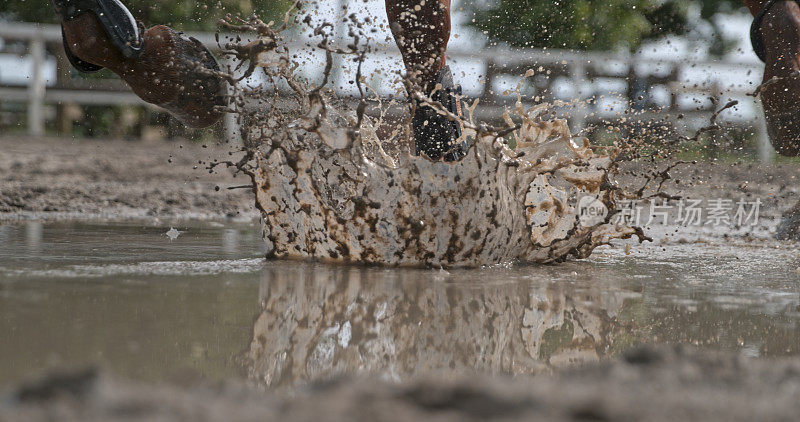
(776, 39)
(161, 66)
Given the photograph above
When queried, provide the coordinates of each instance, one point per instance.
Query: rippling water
(126, 296)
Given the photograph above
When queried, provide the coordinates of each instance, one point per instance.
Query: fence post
(231, 124)
(765, 151)
(340, 29)
(488, 95)
(579, 78)
(36, 87)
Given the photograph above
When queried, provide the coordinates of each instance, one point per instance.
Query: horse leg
(421, 29)
(171, 71)
(780, 30)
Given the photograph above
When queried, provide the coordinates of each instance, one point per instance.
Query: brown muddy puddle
(125, 296)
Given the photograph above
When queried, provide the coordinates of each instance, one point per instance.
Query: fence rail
(585, 73)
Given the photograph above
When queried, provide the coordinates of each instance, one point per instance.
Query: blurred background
(611, 65)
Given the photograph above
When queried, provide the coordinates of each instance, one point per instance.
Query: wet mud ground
(699, 325)
(54, 178)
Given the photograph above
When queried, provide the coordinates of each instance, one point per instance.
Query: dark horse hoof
(784, 131)
(113, 16)
(435, 135)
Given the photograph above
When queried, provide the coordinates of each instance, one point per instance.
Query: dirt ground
(56, 178)
(107, 179)
(654, 384)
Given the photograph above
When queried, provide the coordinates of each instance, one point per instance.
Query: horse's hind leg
(166, 69)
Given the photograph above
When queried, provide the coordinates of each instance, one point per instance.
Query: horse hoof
(789, 227)
(113, 17)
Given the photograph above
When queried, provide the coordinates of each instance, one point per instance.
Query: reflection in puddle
(33, 237)
(230, 241)
(320, 321)
(317, 321)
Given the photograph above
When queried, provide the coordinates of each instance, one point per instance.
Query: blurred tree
(595, 24)
(185, 15)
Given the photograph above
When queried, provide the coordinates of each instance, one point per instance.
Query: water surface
(127, 296)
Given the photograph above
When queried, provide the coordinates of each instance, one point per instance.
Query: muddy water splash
(330, 188)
